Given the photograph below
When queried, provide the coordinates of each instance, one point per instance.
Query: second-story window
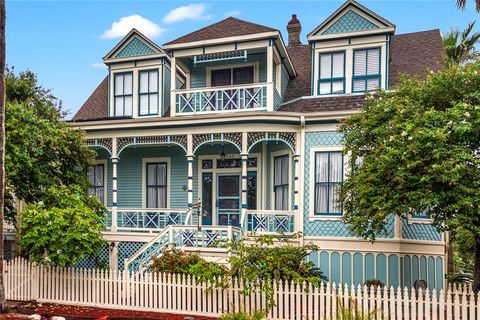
(366, 69)
(123, 94)
(332, 73)
(148, 93)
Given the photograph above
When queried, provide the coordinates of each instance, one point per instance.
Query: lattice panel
(289, 138)
(105, 143)
(135, 47)
(8, 249)
(95, 261)
(180, 140)
(234, 138)
(126, 250)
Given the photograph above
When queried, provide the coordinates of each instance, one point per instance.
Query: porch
(247, 181)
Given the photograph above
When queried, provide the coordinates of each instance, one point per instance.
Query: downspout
(301, 178)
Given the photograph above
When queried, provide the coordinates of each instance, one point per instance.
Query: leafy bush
(459, 278)
(353, 312)
(242, 315)
(374, 283)
(63, 229)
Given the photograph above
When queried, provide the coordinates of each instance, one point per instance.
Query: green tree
(3, 301)
(63, 228)
(461, 4)
(42, 150)
(460, 46)
(416, 150)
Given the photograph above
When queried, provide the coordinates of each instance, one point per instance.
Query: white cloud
(123, 26)
(232, 13)
(190, 12)
(98, 65)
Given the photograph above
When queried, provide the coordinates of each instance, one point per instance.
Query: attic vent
(239, 54)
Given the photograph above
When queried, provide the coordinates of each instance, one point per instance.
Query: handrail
(272, 212)
(219, 88)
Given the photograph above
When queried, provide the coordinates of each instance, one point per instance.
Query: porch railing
(270, 221)
(148, 220)
(228, 98)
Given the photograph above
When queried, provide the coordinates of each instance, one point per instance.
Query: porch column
(270, 77)
(244, 156)
(296, 183)
(173, 85)
(190, 157)
(114, 184)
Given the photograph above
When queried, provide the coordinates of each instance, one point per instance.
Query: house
(231, 132)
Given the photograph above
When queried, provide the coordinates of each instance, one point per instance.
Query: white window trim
(346, 168)
(144, 178)
(105, 174)
(255, 65)
(273, 155)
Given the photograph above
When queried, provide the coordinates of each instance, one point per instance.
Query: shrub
(354, 312)
(242, 315)
(374, 283)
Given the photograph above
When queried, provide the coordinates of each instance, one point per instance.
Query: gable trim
(111, 56)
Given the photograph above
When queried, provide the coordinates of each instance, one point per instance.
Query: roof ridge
(412, 32)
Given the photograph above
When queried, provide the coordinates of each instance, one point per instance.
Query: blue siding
(350, 22)
(358, 269)
(420, 231)
(325, 264)
(382, 268)
(439, 272)
(135, 47)
(166, 89)
(393, 271)
(285, 79)
(431, 272)
(407, 267)
(335, 267)
(415, 268)
(346, 267)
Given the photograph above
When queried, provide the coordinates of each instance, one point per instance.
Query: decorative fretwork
(179, 140)
(221, 56)
(271, 221)
(287, 137)
(105, 143)
(233, 138)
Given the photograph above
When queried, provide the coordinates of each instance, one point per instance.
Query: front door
(228, 199)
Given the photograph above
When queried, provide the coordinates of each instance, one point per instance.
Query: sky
(63, 42)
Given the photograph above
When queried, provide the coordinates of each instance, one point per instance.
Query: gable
(350, 22)
(135, 47)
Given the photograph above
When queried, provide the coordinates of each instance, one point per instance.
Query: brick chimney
(294, 28)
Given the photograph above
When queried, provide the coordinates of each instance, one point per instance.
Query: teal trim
(367, 76)
(148, 93)
(393, 271)
(325, 263)
(346, 267)
(439, 272)
(407, 269)
(328, 183)
(350, 22)
(358, 269)
(135, 47)
(382, 268)
(123, 92)
(335, 265)
(332, 79)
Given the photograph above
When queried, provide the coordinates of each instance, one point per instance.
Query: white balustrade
(269, 221)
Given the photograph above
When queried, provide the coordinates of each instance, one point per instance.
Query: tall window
(366, 69)
(157, 185)
(332, 73)
(96, 177)
(328, 180)
(148, 92)
(123, 94)
(280, 182)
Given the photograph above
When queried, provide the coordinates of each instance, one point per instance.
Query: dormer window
(332, 73)
(148, 93)
(123, 94)
(366, 69)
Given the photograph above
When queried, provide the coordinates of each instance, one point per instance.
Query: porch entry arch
(160, 140)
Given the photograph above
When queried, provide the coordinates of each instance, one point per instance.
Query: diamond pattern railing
(221, 99)
(150, 219)
(270, 221)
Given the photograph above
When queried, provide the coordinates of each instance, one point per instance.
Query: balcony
(220, 99)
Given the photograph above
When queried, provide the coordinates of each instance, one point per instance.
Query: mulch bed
(72, 312)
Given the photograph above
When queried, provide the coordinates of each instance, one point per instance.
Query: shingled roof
(410, 54)
(229, 27)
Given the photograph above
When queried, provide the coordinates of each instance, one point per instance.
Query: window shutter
(360, 67)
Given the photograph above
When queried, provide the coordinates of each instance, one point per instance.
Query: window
(148, 92)
(157, 185)
(123, 94)
(366, 69)
(280, 182)
(96, 177)
(328, 180)
(332, 73)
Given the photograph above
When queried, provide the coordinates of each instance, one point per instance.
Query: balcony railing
(148, 220)
(270, 221)
(229, 98)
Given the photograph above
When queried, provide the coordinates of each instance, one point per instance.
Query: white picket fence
(181, 294)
